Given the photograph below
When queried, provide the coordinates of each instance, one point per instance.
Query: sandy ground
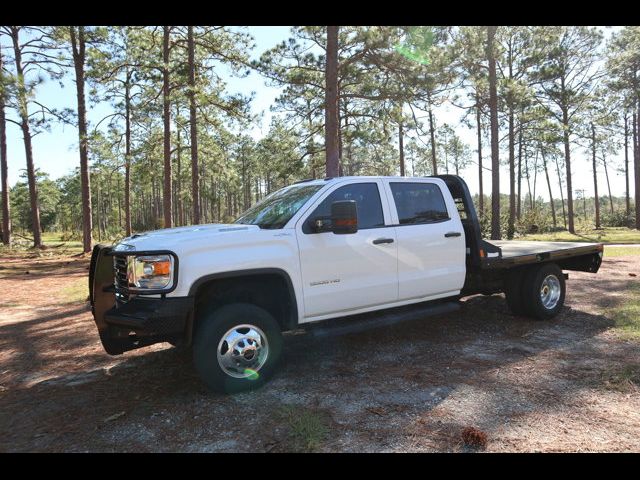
(412, 387)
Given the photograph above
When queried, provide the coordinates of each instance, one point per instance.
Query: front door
(351, 271)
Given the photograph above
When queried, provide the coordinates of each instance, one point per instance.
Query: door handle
(452, 234)
(378, 241)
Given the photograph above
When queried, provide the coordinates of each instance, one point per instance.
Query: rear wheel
(543, 291)
(237, 347)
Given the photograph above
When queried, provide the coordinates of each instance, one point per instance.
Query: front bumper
(139, 322)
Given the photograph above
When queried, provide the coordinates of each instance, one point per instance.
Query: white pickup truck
(315, 251)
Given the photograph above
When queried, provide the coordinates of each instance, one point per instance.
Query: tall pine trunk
(636, 161)
(127, 155)
(401, 147)
(332, 120)
(546, 173)
(626, 167)
(432, 133)
(4, 171)
(512, 176)
(567, 161)
(564, 213)
(166, 117)
(193, 128)
(495, 160)
(519, 195)
(606, 175)
(78, 46)
(479, 132)
(595, 174)
(26, 135)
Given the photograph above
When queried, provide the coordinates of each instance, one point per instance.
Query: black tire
(531, 288)
(513, 292)
(211, 329)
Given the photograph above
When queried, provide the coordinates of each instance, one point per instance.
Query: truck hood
(171, 238)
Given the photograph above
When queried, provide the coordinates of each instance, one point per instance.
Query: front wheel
(237, 348)
(543, 291)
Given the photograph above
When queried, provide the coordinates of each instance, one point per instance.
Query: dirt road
(527, 385)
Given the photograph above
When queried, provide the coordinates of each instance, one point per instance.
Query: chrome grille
(121, 282)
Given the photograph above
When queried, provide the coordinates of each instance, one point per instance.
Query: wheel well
(270, 291)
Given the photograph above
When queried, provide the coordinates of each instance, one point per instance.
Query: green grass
(605, 235)
(625, 379)
(627, 315)
(621, 251)
(307, 428)
(76, 292)
(55, 243)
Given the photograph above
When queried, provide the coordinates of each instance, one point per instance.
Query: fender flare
(289, 323)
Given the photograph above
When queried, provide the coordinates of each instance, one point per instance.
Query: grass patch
(54, 244)
(75, 292)
(307, 428)
(627, 315)
(621, 251)
(625, 379)
(605, 235)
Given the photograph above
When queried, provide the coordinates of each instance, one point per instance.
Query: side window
(367, 199)
(419, 203)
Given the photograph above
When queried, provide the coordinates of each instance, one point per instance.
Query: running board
(372, 320)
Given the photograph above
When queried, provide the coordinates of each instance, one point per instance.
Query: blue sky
(56, 152)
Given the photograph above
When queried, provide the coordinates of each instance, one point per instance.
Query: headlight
(152, 272)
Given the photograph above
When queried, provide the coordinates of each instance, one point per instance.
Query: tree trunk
(567, 161)
(626, 167)
(78, 45)
(26, 134)
(432, 132)
(401, 147)
(332, 120)
(546, 173)
(4, 171)
(127, 155)
(519, 195)
(166, 116)
(512, 177)
(479, 128)
(564, 213)
(178, 199)
(193, 126)
(595, 175)
(495, 160)
(606, 175)
(636, 161)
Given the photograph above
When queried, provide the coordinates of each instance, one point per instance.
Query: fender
(289, 324)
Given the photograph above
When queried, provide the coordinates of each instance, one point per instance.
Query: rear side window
(419, 203)
(367, 198)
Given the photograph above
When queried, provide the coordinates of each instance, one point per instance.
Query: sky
(56, 151)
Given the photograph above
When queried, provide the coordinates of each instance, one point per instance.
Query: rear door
(353, 271)
(431, 246)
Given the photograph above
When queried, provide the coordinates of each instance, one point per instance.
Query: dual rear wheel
(536, 292)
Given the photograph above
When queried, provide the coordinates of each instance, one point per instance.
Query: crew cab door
(351, 271)
(430, 238)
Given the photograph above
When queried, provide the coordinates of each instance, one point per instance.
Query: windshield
(276, 209)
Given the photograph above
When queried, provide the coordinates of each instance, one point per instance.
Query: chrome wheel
(550, 291)
(243, 351)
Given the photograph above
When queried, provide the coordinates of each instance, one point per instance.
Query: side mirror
(344, 217)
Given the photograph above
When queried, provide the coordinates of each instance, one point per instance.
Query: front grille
(121, 281)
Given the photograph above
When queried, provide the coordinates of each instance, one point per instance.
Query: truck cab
(314, 251)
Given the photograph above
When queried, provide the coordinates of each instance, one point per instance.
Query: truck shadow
(372, 385)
